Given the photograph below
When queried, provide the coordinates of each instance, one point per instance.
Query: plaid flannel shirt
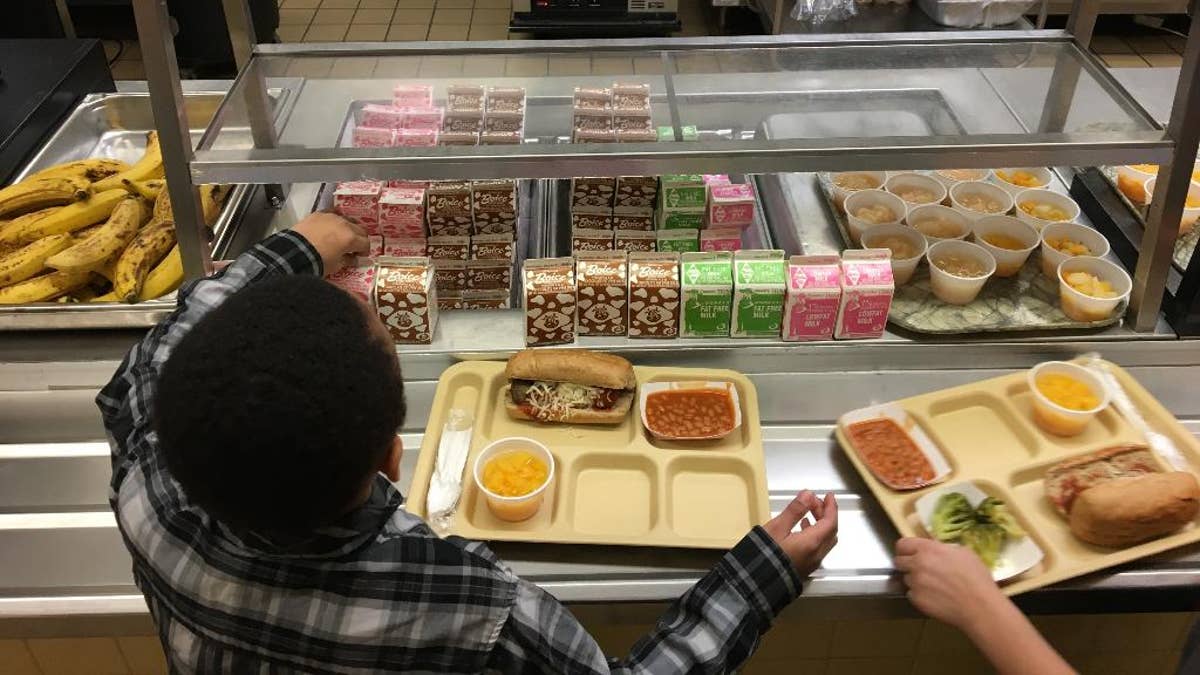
(377, 591)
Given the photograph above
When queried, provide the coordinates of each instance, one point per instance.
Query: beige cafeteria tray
(987, 433)
(612, 485)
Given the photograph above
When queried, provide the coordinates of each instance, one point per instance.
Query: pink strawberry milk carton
(867, 288)
(372, 137)
(359, 201)
(814, 294)
(357, 280)
(381, 117)
(402, 213)
(721, 239)
(730, 205)
(403, 247)
(412, 96)
(429, 119)
(415, 138)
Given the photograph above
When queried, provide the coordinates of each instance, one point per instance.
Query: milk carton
(759, 285)
(706, 281)
(406, 298)
(867, 289)
(814, 296)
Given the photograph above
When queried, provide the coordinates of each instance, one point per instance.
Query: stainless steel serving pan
(115, 125)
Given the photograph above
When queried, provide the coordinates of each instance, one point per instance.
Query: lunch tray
(988, 436)
(1025, 302)
(1184, 246)
(612, 484)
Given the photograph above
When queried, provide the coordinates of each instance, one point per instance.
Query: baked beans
(690, 413)
(890, 453)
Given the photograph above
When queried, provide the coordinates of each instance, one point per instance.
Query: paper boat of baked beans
(690, 411)
(894, 447)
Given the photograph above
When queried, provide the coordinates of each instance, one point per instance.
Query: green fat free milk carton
(683, 191)
(706, 281)
(759, 287)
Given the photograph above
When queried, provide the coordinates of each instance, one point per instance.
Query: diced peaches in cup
(1066, 397)
(1009, 240)
(958, 270)
(1131, 181)
(1191, 205)
(867, 208)
(938, 222)
(1067, 240)
(1022, 178)
(915, 189)
(1043, 207)
(977, 199)
(513, 474)
(1091, 288)
(906, 244)
(847, 183)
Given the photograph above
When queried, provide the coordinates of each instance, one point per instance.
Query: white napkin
(445, 486)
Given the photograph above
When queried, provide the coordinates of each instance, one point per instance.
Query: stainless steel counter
(61, 556)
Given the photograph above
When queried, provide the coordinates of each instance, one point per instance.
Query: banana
(42, 288)
(66, 219)
(31, 195)
(108, 239)
(148, 190)
(149, 166)
(28, 261)
(146, 249)
(107, 297)
(108, 268)
(162, 211)
(93, 169)
(164, 278)
(211, 198)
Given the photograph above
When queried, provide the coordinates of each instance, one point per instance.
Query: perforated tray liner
(613, 484)
(1026, 302)
(987, 433)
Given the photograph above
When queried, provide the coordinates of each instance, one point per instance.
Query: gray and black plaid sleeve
(712, 628)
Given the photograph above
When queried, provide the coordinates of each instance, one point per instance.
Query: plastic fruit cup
(963, 192)
(1082, 307)
(952, 177)
(1040, 173)
(1190, 215)
(1054, 418)
(869, 198)
(840, 193)
(935, 220)
(514, 509)
(900, 183)
(1052, 257)
(1008, 261)
(902, 268)
(951, 288)
(1046, 197)
(1132, 183)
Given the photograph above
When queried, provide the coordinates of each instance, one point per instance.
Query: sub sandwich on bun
(1122, 496)
(568, 385)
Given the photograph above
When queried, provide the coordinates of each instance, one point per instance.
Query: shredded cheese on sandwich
(551, 402)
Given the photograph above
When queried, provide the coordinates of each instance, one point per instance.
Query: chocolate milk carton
(759, 285)
(601, 278)
(549, 301)
(706, 281)
(406, 298)
(654, 295)
(867, 288)
(814, 296)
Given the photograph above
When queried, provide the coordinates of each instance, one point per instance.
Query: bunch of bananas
(93, 230)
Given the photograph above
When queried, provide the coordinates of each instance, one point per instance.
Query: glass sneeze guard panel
(785, 108)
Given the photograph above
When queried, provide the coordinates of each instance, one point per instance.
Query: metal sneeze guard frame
(1173, 148)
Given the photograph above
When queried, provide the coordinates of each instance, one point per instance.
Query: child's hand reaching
(808, 547)
(338, 240)
(947, 582)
